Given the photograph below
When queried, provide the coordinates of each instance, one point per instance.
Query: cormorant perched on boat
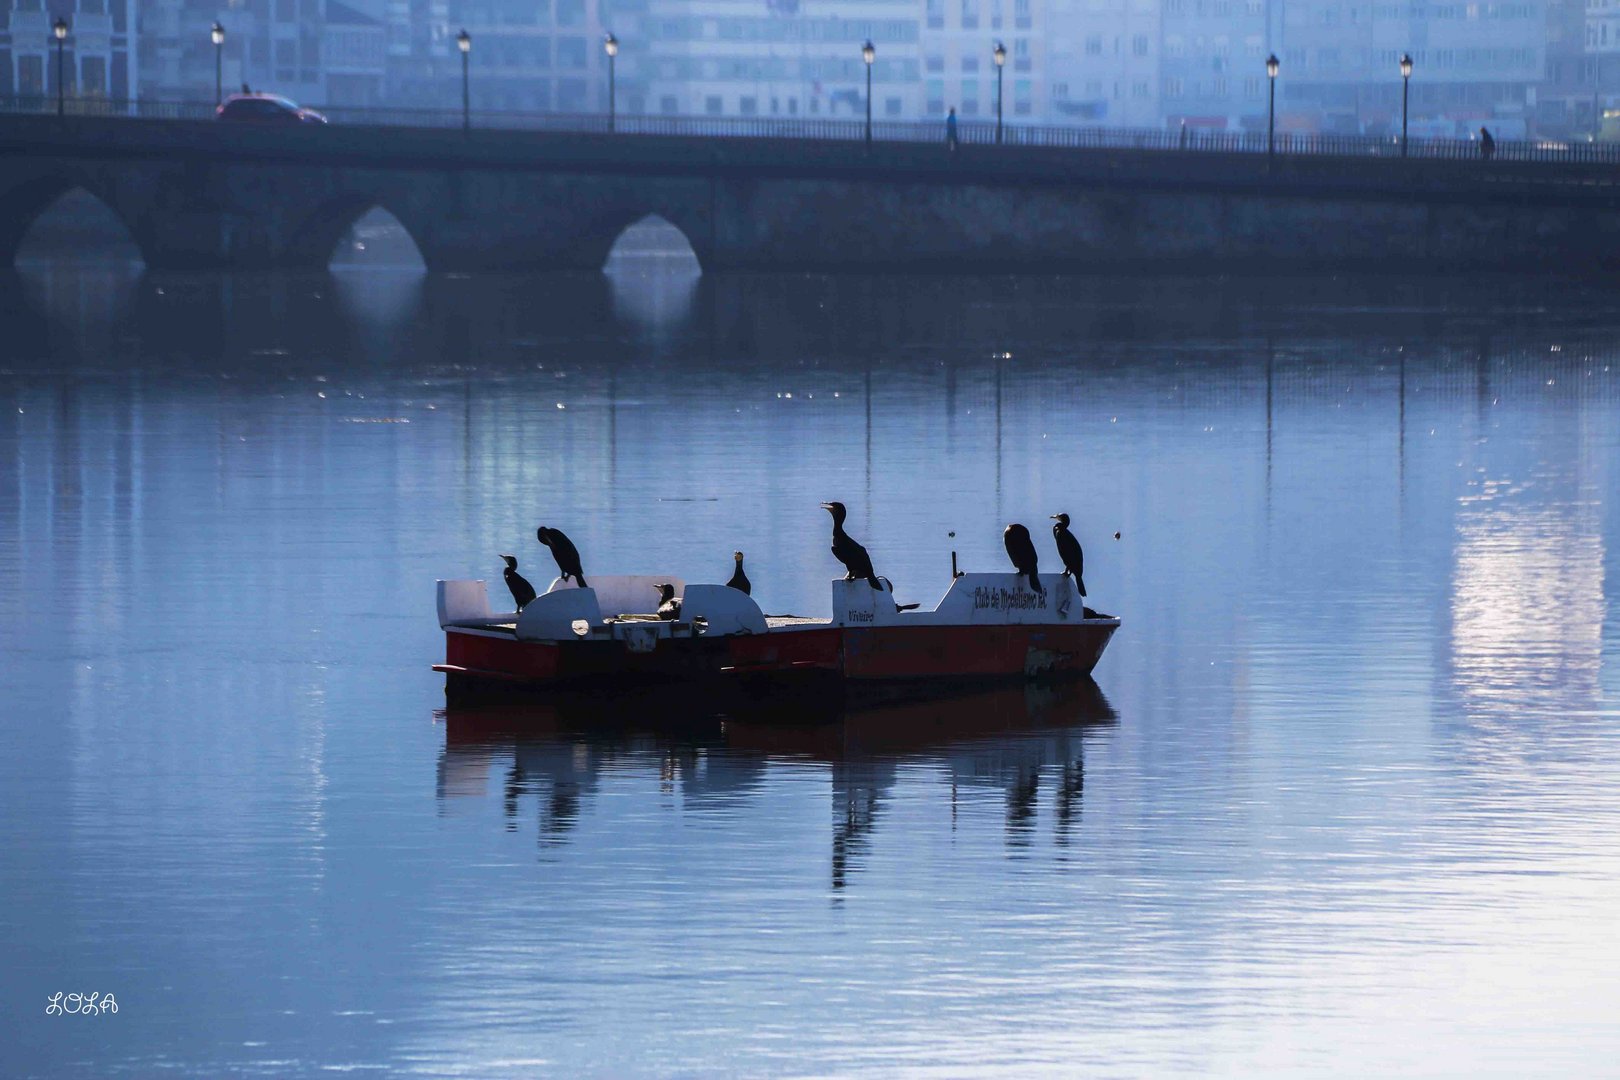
(854, 557)
(1022, 552)
(669, 608)
(739, 580)
(522, 591)
(563, 550)
(1074, 560)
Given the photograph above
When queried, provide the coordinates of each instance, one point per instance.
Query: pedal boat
(987, 628)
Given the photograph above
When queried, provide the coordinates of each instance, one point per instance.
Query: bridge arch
(652, 242)
(24, 205)
(314, 242)
(378, 240)
(605, 235)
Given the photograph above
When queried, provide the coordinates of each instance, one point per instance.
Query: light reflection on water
(1345, 800)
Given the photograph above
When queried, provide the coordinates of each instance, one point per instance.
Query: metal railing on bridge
(971, 133)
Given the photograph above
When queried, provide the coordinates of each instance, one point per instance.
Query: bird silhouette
(522, 591)
(1021, 550)
(1074, 560)
(739, 580)
(669, 608)
(857, 562)
(563, 550)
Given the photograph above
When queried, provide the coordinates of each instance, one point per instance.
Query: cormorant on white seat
(522, 591)
(563, 550)
(1074, 560)
(669, 608)
(739, 580)
(1021, 550)
(857, 562)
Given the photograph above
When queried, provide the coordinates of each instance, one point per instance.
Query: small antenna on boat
(955, 573)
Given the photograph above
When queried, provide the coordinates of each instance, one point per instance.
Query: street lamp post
(1001, 59)
(1271, 109)
(464, 43)
(868, 53)
(60, 29)
(610, 45)
(1406, 87)
(218, 34)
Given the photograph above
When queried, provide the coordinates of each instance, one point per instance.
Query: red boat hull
(854, 654)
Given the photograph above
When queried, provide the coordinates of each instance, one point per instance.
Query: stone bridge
(202, 194)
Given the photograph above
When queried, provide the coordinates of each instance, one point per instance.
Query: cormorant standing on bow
(669, 608)
(522, 591)
(1074, 560)
(854, 557)
(1022, 552)
(739, 580)
(563, 550)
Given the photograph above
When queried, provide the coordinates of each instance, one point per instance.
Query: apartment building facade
(1102, 60)
(1475, 62)
(98, 56)
(959, 38)
(782, 58)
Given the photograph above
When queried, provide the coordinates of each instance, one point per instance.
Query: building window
(891, 106)
(31, 76)
(1139, 44)
(711, 105)
(1094, 45)
(571, 53)
(748, 106)
(668, 105)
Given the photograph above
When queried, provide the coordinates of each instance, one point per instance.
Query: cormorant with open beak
(1074, 560)
(739, 580)
(669, 608)
(563, 550)
(857, 562)
(522, 591)
(1021, 549)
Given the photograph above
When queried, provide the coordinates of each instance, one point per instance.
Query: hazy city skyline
(1527, 68)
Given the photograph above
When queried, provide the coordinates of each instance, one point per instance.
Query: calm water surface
(1344, 800)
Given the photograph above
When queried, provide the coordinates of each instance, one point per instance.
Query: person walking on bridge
(950, 130)
(1487, 145)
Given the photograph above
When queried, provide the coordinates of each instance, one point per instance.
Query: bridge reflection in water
(1023, 741)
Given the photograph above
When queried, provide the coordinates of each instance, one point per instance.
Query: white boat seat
(725, 610)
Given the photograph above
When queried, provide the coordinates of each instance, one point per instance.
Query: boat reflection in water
(558, 751)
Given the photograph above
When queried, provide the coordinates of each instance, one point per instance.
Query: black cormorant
(739, 580)
(854, 557)
(1022, 552)
(669, 608)
(522, 591)
(1073, 559)
(563, 550)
